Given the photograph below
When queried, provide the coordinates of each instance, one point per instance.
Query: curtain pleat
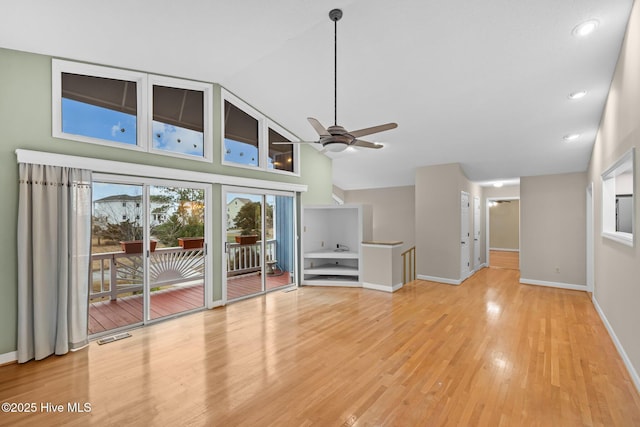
(54, 255)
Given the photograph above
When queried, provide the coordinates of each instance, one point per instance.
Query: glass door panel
(280, 248)
(243, 255)
(116, 295)
(177, 258)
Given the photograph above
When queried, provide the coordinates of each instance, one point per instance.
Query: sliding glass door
(259, 253)
(148, 251)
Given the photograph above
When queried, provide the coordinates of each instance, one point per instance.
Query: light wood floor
(504, 259)
(490, 352)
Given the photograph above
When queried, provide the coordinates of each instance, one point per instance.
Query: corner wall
(617, 267)
(438, 228)
(553, 230)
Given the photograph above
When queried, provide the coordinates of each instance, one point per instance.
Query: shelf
(332, 254)
(332, 270)
(331, 280)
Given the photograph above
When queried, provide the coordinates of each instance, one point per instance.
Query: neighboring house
(233, 207)
(123, 207)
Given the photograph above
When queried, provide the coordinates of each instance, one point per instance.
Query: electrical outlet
(557, 269)
(322, 244)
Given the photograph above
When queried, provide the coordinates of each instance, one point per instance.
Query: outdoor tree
(188, 218)
(249, 220)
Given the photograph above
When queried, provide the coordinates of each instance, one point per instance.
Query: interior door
(476, 233)
(465, 255)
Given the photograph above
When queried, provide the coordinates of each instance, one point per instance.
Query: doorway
(465, 248)
(503, 232)
(260, 245)
(149, 251)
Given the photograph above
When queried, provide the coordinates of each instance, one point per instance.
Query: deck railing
(116, 273)
(246, 258)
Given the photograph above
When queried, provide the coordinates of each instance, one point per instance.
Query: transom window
(132, 110)
(250, 139)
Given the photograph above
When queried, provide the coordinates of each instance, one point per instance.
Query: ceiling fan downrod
(335, 16)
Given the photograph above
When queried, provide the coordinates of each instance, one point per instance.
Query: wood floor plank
(490, 352)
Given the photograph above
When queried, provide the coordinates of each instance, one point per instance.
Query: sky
(85, 119)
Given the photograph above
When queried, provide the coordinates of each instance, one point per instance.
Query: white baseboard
(439, 279)
(553, 284)
(8, 357)
(504, 249)
(627, 362)
(383, 288)
(480, 267)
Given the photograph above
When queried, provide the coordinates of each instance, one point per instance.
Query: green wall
(25, 122)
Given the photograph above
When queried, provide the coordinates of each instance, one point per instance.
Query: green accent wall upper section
(25, 119)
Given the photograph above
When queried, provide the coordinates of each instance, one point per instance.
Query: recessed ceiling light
(577, 95)
(585, 28)
(572, 137)
(498, 184)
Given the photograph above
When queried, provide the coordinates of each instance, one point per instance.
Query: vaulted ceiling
(482, 83)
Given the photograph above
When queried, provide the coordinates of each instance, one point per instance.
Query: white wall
(393, 211)
(617, 267)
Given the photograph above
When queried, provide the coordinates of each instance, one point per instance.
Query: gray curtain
(54, 256)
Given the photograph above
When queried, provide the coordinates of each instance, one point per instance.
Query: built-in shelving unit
(331, 241)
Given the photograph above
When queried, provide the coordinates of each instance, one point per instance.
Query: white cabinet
(331, 238)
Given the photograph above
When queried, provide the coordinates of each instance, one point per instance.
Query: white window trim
(609, 200)
(134, 169)
(264, 123)
(144, 98)
(207, 88)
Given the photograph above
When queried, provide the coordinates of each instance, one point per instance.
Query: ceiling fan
(336, 138)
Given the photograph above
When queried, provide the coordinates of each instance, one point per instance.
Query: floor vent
(114, 338)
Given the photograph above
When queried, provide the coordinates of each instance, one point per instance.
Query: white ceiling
(481, 83)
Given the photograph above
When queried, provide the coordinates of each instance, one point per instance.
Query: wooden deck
(249, 284)
(107, 315)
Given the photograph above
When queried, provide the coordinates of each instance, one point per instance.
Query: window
(179, 124)
(132, 110)
(618, 199)
(250, 139)
(240, 136)
(280, 155)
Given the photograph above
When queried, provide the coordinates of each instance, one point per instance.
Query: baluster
(113, 278)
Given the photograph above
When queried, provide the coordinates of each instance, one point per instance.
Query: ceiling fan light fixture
(335, 147)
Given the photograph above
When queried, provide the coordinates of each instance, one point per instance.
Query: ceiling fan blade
(295, 142)
(366, 144)
(374, 129)
(322, 131)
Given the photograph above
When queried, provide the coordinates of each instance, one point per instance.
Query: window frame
(264, 123)
(144, 100)
(609, 200)
(59, 66)
(207, 111)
